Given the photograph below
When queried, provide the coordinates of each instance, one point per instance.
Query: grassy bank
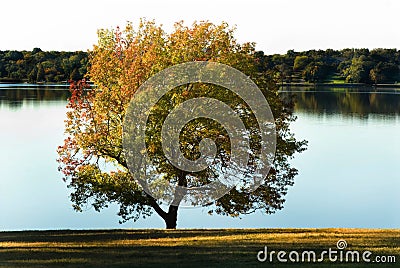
(186, 248)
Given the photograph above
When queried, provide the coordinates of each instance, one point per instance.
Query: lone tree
(92, 158)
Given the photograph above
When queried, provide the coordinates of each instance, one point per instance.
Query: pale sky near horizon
(275, 25)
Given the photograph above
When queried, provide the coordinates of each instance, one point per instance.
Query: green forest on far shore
(377, 66)
(38, 66)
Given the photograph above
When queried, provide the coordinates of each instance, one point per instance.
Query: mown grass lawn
(187, 247)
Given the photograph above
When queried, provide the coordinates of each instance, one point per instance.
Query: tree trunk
(171, 217)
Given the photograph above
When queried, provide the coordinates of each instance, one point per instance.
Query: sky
(276, 26)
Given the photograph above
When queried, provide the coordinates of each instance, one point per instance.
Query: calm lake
(348, 177)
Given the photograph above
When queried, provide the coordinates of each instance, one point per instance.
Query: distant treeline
(347, 65)
(42, 66)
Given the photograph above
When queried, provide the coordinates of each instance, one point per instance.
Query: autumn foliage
(91, 157)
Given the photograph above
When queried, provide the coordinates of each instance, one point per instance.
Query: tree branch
(156, 207)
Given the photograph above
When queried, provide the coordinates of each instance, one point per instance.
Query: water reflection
(14, 98)
(347, 102)
(347, 178)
